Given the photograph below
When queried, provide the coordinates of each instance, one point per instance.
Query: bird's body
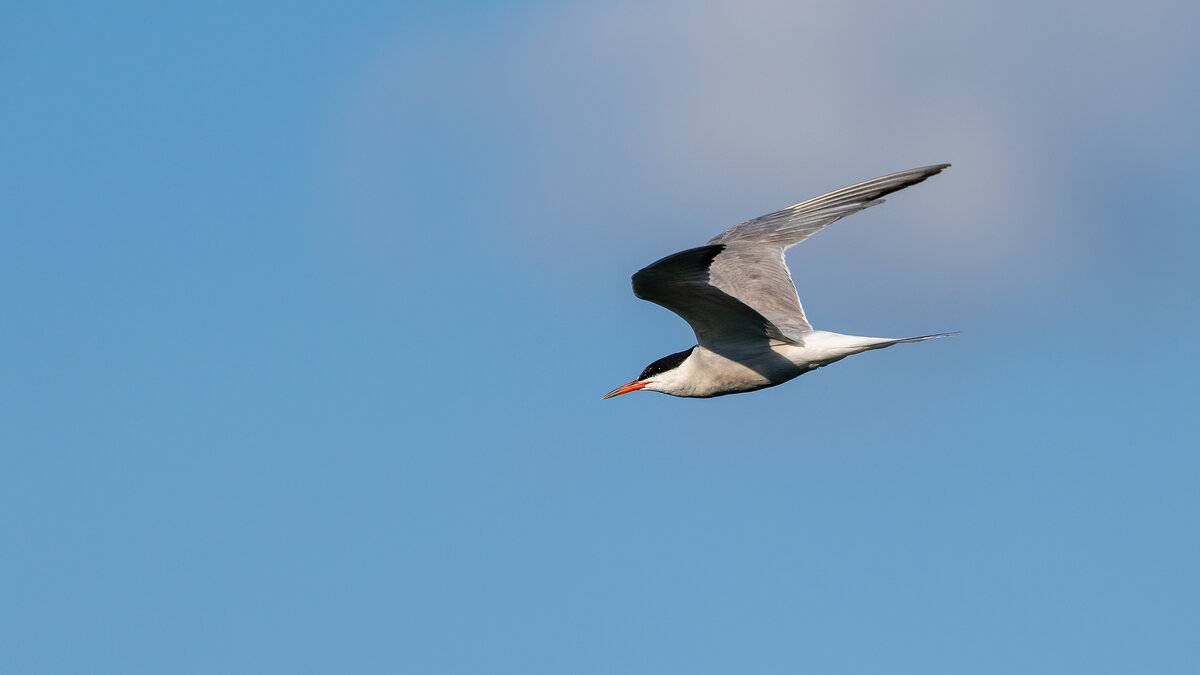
(738, 296)
(705, 373)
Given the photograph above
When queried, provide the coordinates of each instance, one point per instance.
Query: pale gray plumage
(752, 267)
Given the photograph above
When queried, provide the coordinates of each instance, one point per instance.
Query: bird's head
(658, 376)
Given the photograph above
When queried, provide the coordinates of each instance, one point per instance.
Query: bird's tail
(880, 343)
(923, 337)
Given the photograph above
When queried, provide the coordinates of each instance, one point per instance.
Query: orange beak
(624, 389)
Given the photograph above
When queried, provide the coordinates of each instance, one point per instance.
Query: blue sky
(310, 309)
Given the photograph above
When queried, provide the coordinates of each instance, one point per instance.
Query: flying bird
(739, 298)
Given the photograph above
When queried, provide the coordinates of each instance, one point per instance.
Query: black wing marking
(680, 282)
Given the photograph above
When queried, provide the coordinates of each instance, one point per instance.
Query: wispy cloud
(664, 122)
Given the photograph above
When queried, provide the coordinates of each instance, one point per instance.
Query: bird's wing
(680, 282)
(794, 224)
(751, 268)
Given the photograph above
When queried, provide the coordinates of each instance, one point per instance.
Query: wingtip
(920, 174)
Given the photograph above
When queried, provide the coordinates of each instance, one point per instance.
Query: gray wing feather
(680, 282)
(751, 267)
(758, 276)
(794, 224)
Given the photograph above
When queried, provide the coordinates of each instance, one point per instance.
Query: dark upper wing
(680, 282)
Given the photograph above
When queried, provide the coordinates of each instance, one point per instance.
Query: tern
(738, 296)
